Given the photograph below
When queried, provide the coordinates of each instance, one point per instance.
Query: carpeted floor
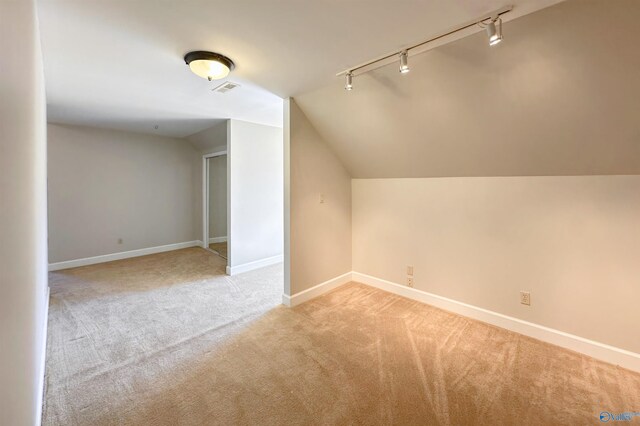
(168, 339)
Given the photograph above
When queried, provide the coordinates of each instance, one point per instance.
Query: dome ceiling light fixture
(209, 65)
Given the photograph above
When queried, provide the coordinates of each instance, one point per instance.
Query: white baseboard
(601, 351)
(217, 240)
(122, 255)
(246, 267)
(316, 291)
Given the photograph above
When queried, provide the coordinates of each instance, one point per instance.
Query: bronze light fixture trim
(209, 65)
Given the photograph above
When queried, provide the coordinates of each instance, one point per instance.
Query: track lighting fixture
(404, 62)
(491, 22)
(494, 32)
(349, 81)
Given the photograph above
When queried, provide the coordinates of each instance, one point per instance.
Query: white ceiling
(559, 96)
(119, 63)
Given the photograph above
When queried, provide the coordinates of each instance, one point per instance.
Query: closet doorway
(215, 223)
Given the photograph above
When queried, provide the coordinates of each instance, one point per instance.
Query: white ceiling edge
(172, 122)
(171, 127)
(168, 126)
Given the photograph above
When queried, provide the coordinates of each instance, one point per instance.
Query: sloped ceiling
(559, 96)
(118, 63)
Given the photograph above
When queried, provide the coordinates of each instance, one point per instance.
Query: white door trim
(205, 195)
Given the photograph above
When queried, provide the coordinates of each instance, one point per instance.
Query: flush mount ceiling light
(492, 22)
(209, 65)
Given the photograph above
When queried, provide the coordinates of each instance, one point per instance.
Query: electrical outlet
(119, 240)
(525, 298)
(410, 281)
(410, 271)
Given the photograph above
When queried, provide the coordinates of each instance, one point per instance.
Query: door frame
(205, 198)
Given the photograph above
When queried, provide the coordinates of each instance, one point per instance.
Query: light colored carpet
(220, 248)
(168, 340)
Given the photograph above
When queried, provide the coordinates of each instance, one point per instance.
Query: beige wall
(554, 106)
(218, 196)
(23, 215)
(319, 234)
(255, 224)
(107, 184)
(213, 139)
(573, 242)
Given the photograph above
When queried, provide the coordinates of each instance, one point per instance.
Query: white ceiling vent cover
(225, 87)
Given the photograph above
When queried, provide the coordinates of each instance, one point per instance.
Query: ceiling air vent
(225, 87)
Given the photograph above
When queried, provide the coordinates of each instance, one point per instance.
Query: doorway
(215, 223)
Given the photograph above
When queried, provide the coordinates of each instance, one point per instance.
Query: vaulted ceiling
(559, 96)
(118, 63)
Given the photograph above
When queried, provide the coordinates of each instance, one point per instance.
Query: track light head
(404, 62)
(349, 81)
(494, 32)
